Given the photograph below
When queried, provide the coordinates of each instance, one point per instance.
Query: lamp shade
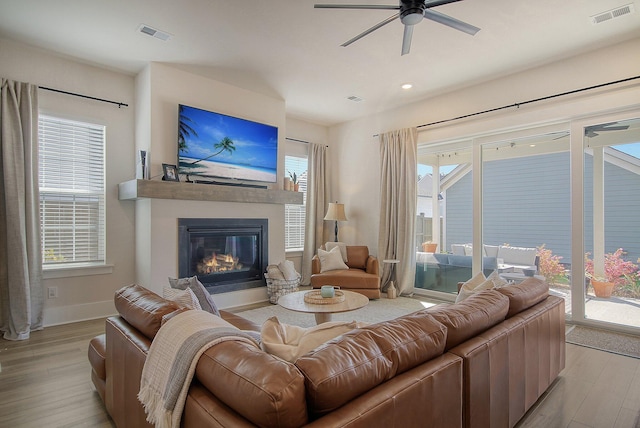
(335, 211)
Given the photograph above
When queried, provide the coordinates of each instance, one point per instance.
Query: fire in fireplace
(225, 254)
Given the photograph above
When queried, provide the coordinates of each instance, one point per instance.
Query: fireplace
(225, 254)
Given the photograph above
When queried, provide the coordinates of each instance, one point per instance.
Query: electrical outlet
(53, 292)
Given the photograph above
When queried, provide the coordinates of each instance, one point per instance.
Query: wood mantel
(137, 189)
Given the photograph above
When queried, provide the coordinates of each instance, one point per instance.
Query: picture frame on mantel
(170, 172)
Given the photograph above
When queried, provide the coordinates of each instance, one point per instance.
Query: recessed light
(407, 86)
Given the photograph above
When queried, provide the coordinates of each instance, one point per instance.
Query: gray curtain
(316, 197)
(21, 291)
(398, 183)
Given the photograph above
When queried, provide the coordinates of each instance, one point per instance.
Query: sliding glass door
(526, 212)
(611, 179)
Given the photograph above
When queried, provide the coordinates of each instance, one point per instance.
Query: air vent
(354, 98)
(614, 13)
(150, 31)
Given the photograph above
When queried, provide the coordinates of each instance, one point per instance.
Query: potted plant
(429, 247)
(294, 181)
(615, 270)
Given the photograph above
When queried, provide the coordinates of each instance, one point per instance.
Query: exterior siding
(527, 204)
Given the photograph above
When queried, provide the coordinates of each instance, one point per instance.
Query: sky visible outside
(255, 143)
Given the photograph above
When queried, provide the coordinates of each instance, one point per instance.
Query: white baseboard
(76, 313)
(240, 298)
(94, 310)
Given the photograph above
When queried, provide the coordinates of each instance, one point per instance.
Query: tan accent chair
(363, 275)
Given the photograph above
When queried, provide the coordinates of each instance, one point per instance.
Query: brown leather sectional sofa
(482, 362)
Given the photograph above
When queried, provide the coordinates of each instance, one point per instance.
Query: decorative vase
(287, 183)
(428, 247)
(392, 293)
(296, 187)
(602, 289)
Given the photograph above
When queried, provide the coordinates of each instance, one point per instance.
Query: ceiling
(288, 49)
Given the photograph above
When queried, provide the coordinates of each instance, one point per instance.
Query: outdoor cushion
(518, 255)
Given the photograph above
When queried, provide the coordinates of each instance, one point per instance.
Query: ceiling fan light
(412, 18)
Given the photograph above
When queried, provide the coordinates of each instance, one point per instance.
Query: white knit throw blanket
(172, 359)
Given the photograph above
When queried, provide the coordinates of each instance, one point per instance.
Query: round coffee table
(295, 302)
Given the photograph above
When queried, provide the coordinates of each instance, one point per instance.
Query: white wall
(160, 89)
(357, 183)
(89, 296)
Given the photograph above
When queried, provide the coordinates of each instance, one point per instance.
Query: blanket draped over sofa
(172, 360)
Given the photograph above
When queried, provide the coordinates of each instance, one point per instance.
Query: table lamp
(335, 212)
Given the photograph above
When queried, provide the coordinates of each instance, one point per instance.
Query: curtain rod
(119, 104)
(535, 100)
(298, 141)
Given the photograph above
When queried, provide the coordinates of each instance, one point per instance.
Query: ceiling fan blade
(370, 30)
(450, 22)
(436, 3)
(615, 128)
(356, 6)
(406, 39)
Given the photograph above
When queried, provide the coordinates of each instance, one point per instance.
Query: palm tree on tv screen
(184, 130)
(226, 144)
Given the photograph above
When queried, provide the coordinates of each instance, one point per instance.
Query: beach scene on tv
(216, 145)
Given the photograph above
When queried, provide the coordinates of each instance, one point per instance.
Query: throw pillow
(274, 272)
(288, 270)
(343, 249)
(497, 280)
(203, 296)
(290, 342)
(331, 260)
(475, 284)
(184, 298)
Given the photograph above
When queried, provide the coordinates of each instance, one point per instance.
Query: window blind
(71, 181)
(295, 214)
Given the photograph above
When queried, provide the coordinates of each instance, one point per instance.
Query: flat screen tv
(219, 146)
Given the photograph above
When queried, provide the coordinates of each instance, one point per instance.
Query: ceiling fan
(411, 12)
(592, 131)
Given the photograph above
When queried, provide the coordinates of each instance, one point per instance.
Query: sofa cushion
(142, 308)
(331, 260)
(350, 279)
(343, 249)
(476, 284)
(472, 316)
(457, 249)
(518, 255)
(97, 352)
(525, 294)
(289, 342)
(348, 366)
(462, 261)
(204, 297)
(357, 256)
(490, 250)
(441, 258)
(264, 389)
(184, 298)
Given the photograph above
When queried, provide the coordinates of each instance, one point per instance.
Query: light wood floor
(45, 382)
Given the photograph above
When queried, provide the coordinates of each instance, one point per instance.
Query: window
(295, 214)
(72, 199)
